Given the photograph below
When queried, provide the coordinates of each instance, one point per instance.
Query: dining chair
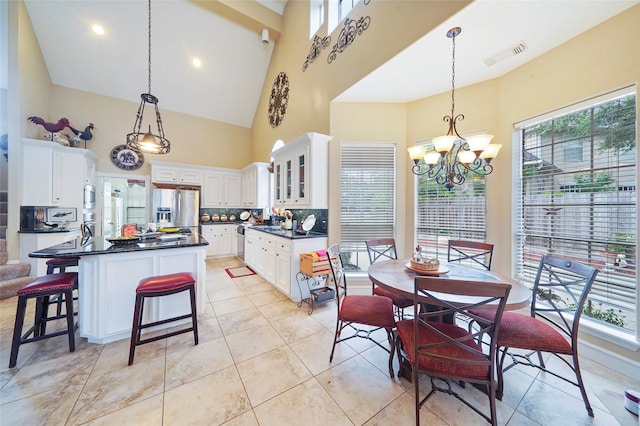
(363, 314)
(448, 353)
(470, 252)
(560, 290)
(385, 249)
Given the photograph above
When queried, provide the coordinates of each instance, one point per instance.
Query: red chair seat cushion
(165, 282)
(458, 368)
(398, 300)
(59, 262)
(526, 332)
(369, 310)
(51, 283)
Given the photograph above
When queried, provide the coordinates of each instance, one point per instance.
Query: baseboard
(614, 361)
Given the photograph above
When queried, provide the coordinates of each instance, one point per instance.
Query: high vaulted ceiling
(235, 61)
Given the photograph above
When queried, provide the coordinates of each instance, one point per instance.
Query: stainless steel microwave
(89, 197)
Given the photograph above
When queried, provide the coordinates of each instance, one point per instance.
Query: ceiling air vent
(514, 50)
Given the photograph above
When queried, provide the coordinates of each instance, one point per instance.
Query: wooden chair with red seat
(473, 253)
(385, 249)
(445, 351)
(359, 311)
(560, 291)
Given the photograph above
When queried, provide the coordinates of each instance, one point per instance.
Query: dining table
(398, 277)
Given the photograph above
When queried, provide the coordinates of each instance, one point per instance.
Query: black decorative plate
(123, 241)
(126, 159)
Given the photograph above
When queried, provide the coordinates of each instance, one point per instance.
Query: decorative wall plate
(278, 100)
(126, 158)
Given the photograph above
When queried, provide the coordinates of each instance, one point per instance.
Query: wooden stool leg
(17, 330)
(135, 327)
(68, 297)
(194, 319)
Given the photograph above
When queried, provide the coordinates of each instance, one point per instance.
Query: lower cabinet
(221, 239)
(30, 242)
(277, 259)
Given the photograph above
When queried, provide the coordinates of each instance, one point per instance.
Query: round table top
(394, 276)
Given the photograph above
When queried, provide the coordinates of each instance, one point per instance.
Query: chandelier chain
(149, 46)
(453, 76)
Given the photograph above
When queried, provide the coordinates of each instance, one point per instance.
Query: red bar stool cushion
(51, 283)
(58, 262)
(165, 282)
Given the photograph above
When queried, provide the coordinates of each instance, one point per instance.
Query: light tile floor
(263, 361)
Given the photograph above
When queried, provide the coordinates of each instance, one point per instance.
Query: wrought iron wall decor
(348, 34)
(317, 46)
(278, 100)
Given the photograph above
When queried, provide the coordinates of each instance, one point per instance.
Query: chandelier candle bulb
(444, 144)
(466, 157)
(478, 143)
(431, 158)
(416, 153)
(490, 152)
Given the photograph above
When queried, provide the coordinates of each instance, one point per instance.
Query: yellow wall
(193, 140)
(394, 26)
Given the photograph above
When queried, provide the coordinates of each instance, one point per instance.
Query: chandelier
(453, 156)
(148, 142)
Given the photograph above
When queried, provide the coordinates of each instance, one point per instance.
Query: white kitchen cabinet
(300, 168)
(175, 174)
(277, 259)
(221, 239)
(30, 242)
(255, 186)
(222, 189)
(54, 175)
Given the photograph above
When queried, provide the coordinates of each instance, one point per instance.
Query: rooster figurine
(51, 127)
(85, 135)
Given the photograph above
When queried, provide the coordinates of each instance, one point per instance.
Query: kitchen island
(109, 275)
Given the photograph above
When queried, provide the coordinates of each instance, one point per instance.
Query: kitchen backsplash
(299, 215)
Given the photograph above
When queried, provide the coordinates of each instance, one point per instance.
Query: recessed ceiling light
(196, 62)
(97, 29)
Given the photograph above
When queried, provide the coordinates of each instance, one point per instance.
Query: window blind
(576, 198)
(368, 196)
(442, 214)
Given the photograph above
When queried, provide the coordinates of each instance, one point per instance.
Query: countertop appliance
(177, 206)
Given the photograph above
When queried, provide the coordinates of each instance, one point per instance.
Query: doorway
(122, 200)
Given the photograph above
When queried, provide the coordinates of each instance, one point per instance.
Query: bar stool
(61, 264)
(162, 285)
(42, 289)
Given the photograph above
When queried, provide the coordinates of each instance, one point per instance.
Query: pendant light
(148, 142)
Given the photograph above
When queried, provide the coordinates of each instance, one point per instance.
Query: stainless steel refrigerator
(176, 207)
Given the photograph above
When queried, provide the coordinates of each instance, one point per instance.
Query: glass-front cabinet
(300, 169)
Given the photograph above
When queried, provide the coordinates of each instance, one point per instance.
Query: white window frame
(625, 338)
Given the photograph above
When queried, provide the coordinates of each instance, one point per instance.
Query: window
(338, 10)
(316, 16)
(367, 198)
(583, 206)
(443, 214)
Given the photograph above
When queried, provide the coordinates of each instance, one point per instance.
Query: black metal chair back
(470, 252)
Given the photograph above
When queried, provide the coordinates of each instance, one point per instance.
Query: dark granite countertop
(99, 245)
(273, 230)
(49, 231)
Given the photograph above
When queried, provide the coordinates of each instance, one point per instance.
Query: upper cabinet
(222, 189)
(175, 174)
(54, 175)
(255, 186)
(300, 169)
